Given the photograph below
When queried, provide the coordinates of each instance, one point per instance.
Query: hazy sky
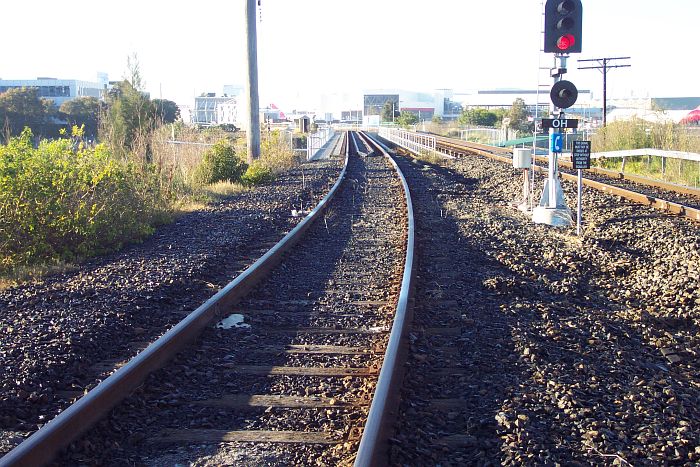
(305, 46)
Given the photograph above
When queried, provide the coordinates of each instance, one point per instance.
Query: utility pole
(253, 133)
(603, 64)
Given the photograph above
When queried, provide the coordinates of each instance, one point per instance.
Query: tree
(166, 111)
(133, 69)
(82, 111)
(389, 111)
(518, 116)
(128, 120)
(22, 107)
(478, 116)
(407, 118)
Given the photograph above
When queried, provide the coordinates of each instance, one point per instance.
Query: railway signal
(562, 36)
(562, 26)
(563, 94)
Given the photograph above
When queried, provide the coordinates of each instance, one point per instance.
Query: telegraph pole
(603, 64)
(253, 133)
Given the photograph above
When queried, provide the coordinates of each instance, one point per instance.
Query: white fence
(415, 142)
(492, 136)
(316, 141)
(686, 156)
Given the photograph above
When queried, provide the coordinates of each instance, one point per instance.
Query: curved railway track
(64, 333)
(669, 197)
(287, 374)
(527, 348)
(531, 346)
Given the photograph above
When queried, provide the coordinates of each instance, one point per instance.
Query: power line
(603, 64)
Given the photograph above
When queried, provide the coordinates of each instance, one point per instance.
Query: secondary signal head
(562, 26)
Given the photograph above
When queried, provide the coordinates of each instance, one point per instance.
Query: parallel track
(608, 181)
(531, 346)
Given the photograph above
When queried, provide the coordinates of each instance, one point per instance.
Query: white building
(59, 90)
(651, 109)
(212, 110)
(226, 109)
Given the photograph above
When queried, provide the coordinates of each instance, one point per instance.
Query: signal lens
(565, 42)
(566, 7)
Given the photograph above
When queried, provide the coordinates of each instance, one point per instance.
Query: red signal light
(565, 42)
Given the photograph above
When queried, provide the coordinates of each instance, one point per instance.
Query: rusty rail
(503, 155)
(373, 445)
(41, 447)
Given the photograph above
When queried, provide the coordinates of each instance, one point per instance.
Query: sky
(312, 52)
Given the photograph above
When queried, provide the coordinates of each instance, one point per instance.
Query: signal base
(555, 217)
(556, 214)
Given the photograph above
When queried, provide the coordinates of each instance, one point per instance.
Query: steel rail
(373, 444)
(42, 446)
(686, 190)
(646, 200)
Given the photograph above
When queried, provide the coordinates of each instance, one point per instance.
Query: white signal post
(579, 207)
(552, 209)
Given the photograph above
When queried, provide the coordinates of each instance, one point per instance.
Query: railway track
(63, 334)
(669, 197)
(287, 374)
(530, 346)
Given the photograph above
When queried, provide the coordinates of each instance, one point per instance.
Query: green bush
(256, 174)
(58, 203)
(220, 164)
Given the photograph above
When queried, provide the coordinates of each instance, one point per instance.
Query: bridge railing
(318, 140)
(415, 142)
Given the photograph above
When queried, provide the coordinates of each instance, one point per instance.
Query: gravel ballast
(532, 346)
(63, 334)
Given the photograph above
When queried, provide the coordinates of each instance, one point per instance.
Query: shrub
(220, 164)
(277, 154)
(257, 173)
(59, 204)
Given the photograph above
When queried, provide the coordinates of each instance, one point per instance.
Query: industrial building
(424, 105)
(59, 90)
(225, 109)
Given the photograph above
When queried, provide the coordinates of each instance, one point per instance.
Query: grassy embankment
(638, 134)
(65, 201)
(633, 134)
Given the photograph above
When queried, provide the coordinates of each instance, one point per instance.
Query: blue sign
(556, 142)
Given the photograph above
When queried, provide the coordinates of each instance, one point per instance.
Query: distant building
(212, 110)
(59, 90)
(232, 90)
(424, 105)
(651, 109)
(351, 116)
(504, 98)
(272, 114)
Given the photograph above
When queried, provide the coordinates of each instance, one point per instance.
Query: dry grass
(276, 152)
(179, 160)
(220, 189)
(22, 274)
